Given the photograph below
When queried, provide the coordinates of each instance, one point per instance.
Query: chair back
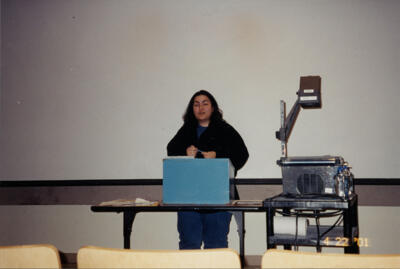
(30, 256)
(98, 257)
(293, 259)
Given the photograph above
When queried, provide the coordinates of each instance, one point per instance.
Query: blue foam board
(197, 181)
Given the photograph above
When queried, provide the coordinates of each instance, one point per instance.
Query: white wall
(96, 89)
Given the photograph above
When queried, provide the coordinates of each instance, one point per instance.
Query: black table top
(160, 207)
(279, 201)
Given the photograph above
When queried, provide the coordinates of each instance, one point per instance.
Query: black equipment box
(310, 175)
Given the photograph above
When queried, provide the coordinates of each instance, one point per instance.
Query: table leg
(270, 226)
(242, 232)
(129, 217)
(350, 227)
(287, 246)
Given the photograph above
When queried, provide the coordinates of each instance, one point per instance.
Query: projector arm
(309, 96)
(287, 124)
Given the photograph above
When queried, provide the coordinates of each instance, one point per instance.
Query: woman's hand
(191, 151)
(209, 154)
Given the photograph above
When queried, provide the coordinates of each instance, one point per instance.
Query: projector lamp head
(310, 92)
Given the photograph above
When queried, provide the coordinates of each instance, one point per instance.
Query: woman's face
(202, 109)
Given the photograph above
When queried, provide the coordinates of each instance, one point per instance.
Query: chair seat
(292, 259)
(98, 257)
(30, 256)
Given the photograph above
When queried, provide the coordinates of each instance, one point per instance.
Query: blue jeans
(210, 228)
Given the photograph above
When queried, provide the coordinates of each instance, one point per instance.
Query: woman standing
(205, 134)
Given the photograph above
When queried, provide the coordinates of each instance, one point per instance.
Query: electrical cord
(316, 214)
(338, 221)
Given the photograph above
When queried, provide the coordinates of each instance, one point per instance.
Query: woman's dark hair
(190, 119)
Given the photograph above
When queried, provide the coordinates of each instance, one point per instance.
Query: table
(130, 211)
(345, 236)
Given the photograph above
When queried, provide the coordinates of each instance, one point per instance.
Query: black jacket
(219, 137)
